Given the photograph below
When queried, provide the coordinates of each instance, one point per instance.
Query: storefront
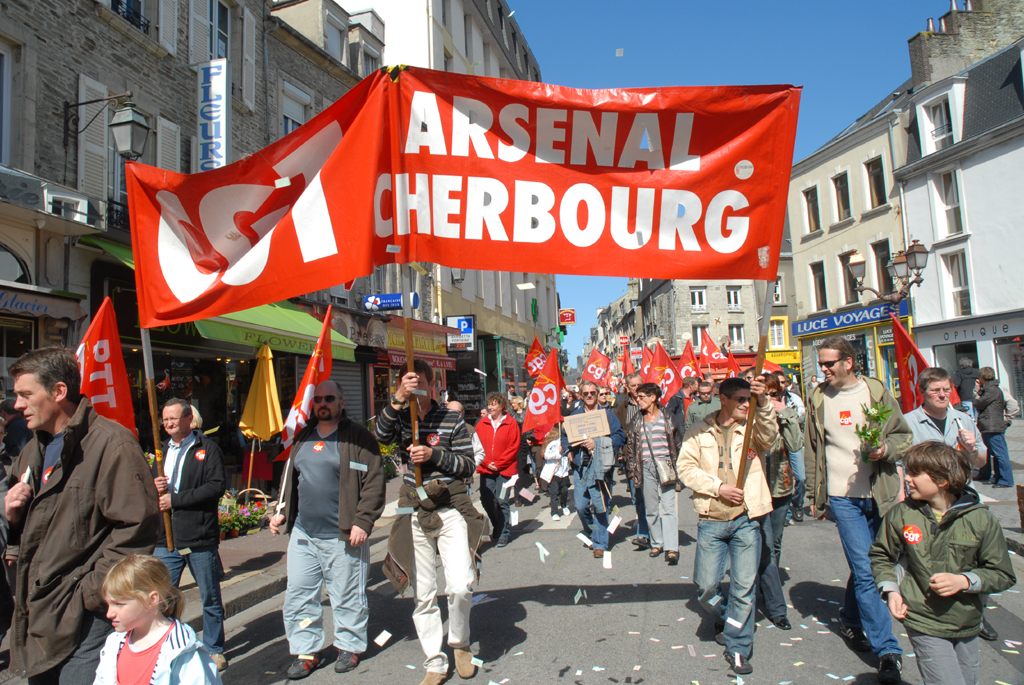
(996, 340)
(428, 343)
(868, 330)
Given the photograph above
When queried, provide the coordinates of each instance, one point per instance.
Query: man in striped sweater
(438, 517)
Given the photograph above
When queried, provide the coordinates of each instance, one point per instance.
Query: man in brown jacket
(80, 498)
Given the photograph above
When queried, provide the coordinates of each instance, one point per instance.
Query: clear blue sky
(846, 55)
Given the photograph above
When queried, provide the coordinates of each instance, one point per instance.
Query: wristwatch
(396, 401)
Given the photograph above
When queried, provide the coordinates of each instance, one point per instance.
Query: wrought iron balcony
(129, 10)
(117, 216)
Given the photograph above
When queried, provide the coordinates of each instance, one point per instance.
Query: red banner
(909, 363)
(772, 367)
(536, 358)
(664, 373)
(566, 317)
(104, 379)
(688, 365)
(318, 370)
(733, 366)
(543, 405)
(710, 355)
(597, 368)
(474, 173)
(645, 365)
(627, 364)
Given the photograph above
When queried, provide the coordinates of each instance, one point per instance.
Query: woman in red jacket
(499, 434)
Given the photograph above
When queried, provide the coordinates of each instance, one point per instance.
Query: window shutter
(169, 25)
(249, 59)
(168, 145)
(92, 142)
(199, 31)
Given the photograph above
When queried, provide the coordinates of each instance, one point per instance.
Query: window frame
(777, 297)
(943, 106)
(953, 300)
(697, 330)
(290, 91)
(838, 215)
(730, 292)
(943, 209)
(849, 283)
(820, 299)
(215, 29)
(6, 108)
(814, 225)
(702, 293)
(871, 177)
(332, 22)
(733, 342)
(883, 282)
(781, 325)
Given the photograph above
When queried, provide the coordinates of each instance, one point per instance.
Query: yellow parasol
(262, 414)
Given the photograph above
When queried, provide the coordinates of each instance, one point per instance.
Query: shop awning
(282, 325)
(34, 301)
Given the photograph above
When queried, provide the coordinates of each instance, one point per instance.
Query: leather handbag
(666, 470)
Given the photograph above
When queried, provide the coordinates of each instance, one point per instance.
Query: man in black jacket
(965, 381)
(191, 488)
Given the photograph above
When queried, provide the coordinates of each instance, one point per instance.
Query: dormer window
(942, 124)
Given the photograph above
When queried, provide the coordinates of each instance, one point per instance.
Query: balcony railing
(129, 12)
(734, 307)
(940, 131)
(699, 308)
(117, 216)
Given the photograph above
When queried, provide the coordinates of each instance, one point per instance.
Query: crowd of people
(96, 538)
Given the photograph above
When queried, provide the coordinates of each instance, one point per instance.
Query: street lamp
(911, 261)
(130, 131)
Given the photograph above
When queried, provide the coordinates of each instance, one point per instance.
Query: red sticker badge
(200, 454)
(845, 418)
(319, 447)
(433, 439)
(46, 474)
(751, 454)
(912, 534)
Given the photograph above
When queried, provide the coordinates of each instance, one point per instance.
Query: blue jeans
(858, 522)
(497, 504)
(998, 469)
(641, 510)
(204, 565)
(768, 581)
(738, 542)
(778, 516)
(796, 463)
(595, 524)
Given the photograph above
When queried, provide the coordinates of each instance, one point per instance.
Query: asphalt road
(637, 622)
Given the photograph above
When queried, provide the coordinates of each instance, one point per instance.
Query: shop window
(956, 266)
(818, 283)
(11, 268)
(777, 334)
(16, 338)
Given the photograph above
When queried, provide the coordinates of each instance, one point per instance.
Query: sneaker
(565, 511)
(798, 515)
(502, 542)
(738, 664)
(556, 517)
(222, 663)
(858, 640)
(889, 669)
(303, 666)
(346, 662)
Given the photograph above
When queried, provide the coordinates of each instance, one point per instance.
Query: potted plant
(251, 515)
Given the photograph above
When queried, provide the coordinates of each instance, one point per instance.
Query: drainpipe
(266, 69)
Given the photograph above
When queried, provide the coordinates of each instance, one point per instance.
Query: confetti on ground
(502, 682)
(1000, 682)
(681, 618)
(685, 577)
(796, 639)
(477, 662)
(515, 517)
(636, 668)
(613, 525)
(693, 652)
(410, 667)
(543, 552)
(607, 560)
(632, 633)
(382, 638)
(598, 668)
(579, 672)
(992, 607)
(823, 632)
(849, 677)
(710, 656)
(836, 580)
(833, 677)
(799, 663)
(677, 646)
(519, 653)
(786, 682)
(785, 644)
(1011, 651)
(654, 639)
(832, 601)
(579, 593)
(789, 605)
(560, 557)
(585, 539)
(1013, 643)
(821, 599)
(803, 626)
(527, 495)
(911, 655)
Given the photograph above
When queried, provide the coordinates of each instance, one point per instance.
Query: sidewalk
(1004, 501)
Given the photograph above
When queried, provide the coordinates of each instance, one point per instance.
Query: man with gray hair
(333, 492)
(965, 381)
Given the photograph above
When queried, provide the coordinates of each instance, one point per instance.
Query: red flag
(710, 355)
(664, 373)
(909, 363)
(733, 366)
(318, 370)
(688, 365)
(627, 363)
(421, 151)
(543, 406)
(104, 379)
(645, 365)
(597, 368)
(613, 383)
(535, 359)
(771, 366)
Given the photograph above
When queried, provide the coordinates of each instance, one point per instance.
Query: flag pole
(154, 413)
(762, 349)
(409, 364)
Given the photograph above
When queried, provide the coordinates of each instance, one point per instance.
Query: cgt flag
(664, 373)
(543, 406)
(415, 165)
(733, 366)
(104, 379)
(627, 363)
(535, 359)
(688, 365)
(597, 368)
(645, 365)
(318, 370)
(710, 355)
(909, 363)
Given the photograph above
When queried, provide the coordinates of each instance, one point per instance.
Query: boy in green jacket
(953, 550)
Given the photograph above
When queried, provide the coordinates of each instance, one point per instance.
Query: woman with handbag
(652, 442)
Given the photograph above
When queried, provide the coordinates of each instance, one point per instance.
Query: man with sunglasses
(334, 493)
(861, 487)
(705, 404)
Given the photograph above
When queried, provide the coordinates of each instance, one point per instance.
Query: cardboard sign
(586, 425)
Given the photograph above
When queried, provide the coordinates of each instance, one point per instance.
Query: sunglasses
(324, 399)
(589, 394)
(742, 400)
(775, 395)
(829, 365)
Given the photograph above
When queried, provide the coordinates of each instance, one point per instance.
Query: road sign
(566, 317)
(387, 302)
(467, 333)
(623, 340)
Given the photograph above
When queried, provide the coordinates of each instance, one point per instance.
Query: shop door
(16, 338)
(349, 375)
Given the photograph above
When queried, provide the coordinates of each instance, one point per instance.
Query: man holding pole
(191, 491)
(711, 463)
(81, 498)
(436, 516)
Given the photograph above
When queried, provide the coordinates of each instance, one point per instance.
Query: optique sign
(214, 98)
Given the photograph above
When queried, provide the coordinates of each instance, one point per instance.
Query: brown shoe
(598, 553)
(433, 678)
(464, 663)
(221, 662)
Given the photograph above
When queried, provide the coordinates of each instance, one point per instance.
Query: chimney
(968, 6)
(942, 25)
(952, 5)
(931, 25)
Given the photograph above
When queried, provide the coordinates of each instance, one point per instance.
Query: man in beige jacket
(709, 463)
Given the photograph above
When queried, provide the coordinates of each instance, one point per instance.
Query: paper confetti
(305, 622)
(785, 644)
(585, 539)
(734, 623)
(1011, 651)
(833, 677)
(527, 495)
(849, 677)
(382, 638)
(598, 668)
(405, 510)
(519, 653)
(677, 646)
(654, 639)
(796, 639)
(1013, 643)
(632, 633)
(579, 593)
(681, 618)
(579, 672)
(410, 667)
(543, 552)
(799, 663)
(394, 249)
(613, 525)
(823, 632)
(710, 656)
(715, 600)
(693, 652)
(607, 560)
(803, 626)
(636, 668)
(515, 517)
(477, 662)
(421, 493)
(560, 557)
(483, 599)
(283, 182)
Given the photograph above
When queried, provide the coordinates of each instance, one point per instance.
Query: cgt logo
(596, 371)
(536, 365)
(912, 534)
(845, 418)
(542, 398)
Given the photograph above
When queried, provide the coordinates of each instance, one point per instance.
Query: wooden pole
(414, 417)
(154, 415)
(252, 453)
(762, 349)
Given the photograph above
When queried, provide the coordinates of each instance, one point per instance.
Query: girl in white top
(556, 472)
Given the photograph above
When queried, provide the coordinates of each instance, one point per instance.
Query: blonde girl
(150, 644)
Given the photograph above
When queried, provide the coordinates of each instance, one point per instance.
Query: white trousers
(452, 543)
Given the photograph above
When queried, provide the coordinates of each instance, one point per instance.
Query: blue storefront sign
(857, 317)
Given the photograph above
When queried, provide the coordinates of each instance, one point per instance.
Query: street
(637, 622)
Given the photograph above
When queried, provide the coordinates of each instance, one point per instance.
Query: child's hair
(135, 576)
(554, 434)
(940, 462)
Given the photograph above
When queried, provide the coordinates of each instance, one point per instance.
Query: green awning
(282, 325)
